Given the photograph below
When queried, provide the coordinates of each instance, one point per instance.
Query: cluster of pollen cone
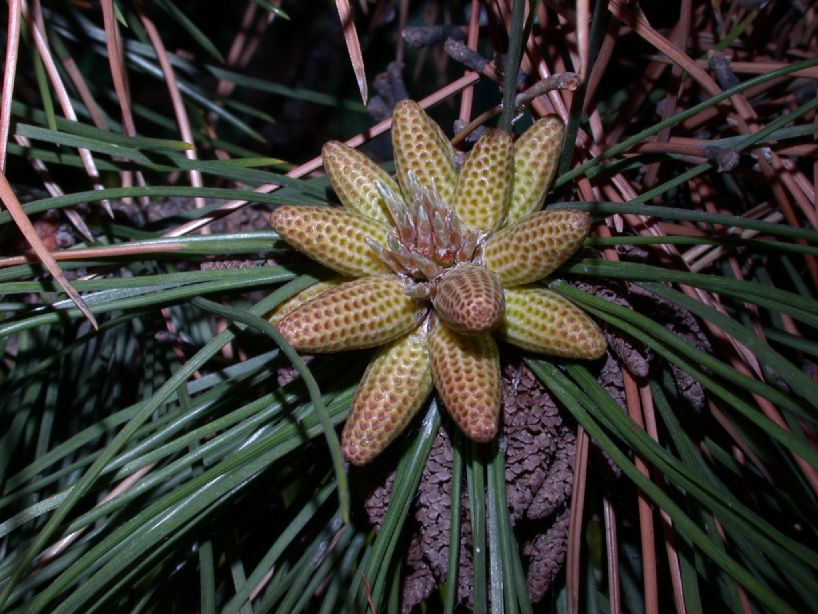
(433, 265)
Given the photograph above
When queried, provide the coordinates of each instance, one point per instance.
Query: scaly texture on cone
(332, 236)
(466, 373)
(354, 177)
(394, 386)
(535, 246)
(536, 156)
(542, 321)
(294, 302)
(484, 185)
(420, 150)
(359, 314)
(469, 299)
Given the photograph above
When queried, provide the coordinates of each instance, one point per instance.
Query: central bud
(427, 238)
(432, 252)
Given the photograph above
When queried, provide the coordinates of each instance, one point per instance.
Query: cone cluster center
(427, 240)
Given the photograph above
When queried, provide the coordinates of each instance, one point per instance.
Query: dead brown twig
(27, 228)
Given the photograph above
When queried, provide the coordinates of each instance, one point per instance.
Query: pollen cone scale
(394, 386)
(535, 246)
(542, 321)
(466, 373)
(421, 149)
(294, 302)
(484, 185)
(334, 237)
(536, 156)
(359, 314)
(355, 179)
(469, 299)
